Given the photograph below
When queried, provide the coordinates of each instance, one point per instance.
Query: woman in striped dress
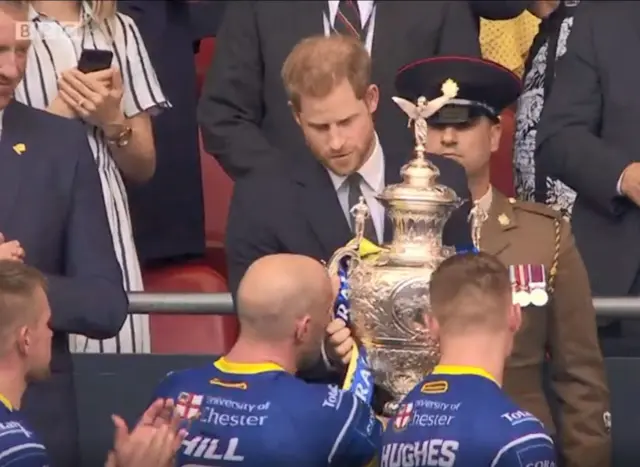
(115, 104)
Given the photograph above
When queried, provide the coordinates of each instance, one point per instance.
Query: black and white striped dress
(51, 54)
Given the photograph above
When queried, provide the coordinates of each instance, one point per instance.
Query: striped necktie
(348, 19)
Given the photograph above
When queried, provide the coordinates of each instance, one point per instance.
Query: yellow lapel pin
(20, 148)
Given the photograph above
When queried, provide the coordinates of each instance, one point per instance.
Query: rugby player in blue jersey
(248, 408)
(25, 354)
(459, 415)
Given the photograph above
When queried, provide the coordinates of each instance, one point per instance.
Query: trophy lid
(419, 184)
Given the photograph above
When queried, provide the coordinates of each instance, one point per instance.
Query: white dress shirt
(367, 13)
(372, 172)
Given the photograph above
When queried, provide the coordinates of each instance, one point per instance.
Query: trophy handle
(349, 251)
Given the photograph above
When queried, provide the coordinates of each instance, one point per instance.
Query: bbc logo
(50, 30)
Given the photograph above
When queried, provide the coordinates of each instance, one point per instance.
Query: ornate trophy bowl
(389, 290)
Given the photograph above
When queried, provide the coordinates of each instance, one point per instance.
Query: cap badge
(450, 88)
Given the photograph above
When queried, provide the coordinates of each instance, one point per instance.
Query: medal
(538, 284)
(522, 296)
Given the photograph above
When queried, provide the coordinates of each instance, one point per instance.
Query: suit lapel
(319, 204)
(12, 142)
(493, 236)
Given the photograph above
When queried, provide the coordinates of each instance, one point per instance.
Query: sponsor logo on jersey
(188, 405)
(435, 387)
(403, 417)
(334, 397)
(228, 384)
(537, 455)
(519, 416)
(438, 406)
(237, 405)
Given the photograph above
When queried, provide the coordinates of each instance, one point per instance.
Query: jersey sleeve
(353, 432)
(165, 388)
(528, 450)
(19, 448)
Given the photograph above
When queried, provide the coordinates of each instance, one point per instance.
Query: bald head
(278, 290)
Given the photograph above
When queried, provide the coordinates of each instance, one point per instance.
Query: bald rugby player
(459, 415)
(248, 408)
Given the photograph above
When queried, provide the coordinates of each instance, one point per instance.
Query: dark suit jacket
(243, 111)
(588, 134)
(168, 212)
(51, 202)
(296, 210)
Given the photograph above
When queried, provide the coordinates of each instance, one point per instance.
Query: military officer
(549, 278)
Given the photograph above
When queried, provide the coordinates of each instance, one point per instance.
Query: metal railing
(222, 304)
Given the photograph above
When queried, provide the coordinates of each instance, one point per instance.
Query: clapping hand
(152, 443)
(95, 97)
(11, 250)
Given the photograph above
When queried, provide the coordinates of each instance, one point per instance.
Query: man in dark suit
(169, 222)
(304, 206)
(243, 109)
(51, 202)
(587, 139)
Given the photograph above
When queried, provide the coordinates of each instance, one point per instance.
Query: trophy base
(397, 370)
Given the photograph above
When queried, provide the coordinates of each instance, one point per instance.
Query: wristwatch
(122, 138)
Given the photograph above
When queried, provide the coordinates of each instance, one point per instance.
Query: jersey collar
(463, 370)
(6, 403)
(226, 366)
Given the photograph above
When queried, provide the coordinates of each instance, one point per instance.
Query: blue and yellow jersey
(19, 446)
(459, 416)
(260, 415)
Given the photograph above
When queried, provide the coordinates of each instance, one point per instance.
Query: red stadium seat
(203, 59)
(191, 334)
(502, 159)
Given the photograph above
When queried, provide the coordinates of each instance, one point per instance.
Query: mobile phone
(94, 60)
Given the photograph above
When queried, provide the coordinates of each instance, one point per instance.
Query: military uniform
(562, 330)
(522, 233)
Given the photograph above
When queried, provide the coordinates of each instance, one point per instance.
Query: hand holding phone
(92, 60)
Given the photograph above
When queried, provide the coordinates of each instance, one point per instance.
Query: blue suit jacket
(51, 202)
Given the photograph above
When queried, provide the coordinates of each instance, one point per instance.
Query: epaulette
(535, 208)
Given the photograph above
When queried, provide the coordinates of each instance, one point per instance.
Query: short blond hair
(317, 64)
(470, 291)
(18, 284)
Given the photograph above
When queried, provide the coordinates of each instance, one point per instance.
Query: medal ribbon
(537, 276)
(523, 278)
(359, 379)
